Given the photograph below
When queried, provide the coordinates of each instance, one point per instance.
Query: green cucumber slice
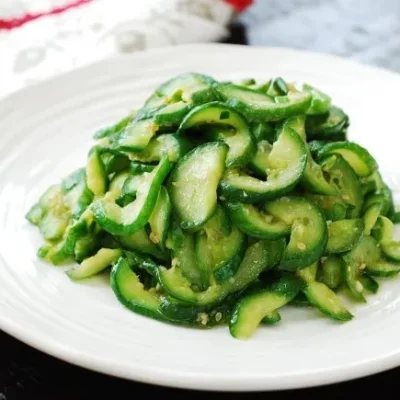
(327, 125)
(129, 219)
(366, 253)
(357, 157)
(383, 269)
(258, 257)
(184, 257)
(391, 249)
(330, 272)
(257, 223)
(219, 250)
(343, 235)
(194, 181)
(342, 177)
(369, 283)
(259, 107)
(309, 233)
(320, 102)
(95, 264)
(96, 175)
(187, 87)
(175, 147)
(254, 307)
(286, 164)
(383, 230)
(141, 242)
(136, 136)
(131, 292)
(325, 300)
(240, 139)
(313, 178)
(159, 219)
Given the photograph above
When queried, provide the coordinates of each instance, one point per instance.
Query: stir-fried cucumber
(220, 203)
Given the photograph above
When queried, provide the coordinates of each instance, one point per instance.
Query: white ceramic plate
(46, 132)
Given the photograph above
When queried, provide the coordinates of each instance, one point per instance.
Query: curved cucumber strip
(320, 102)
(113, 129)
(325, 300)
(219, 250)
(391, 250)
(342, 177)
(131, 292)
(313, 178)
(159, 219)
(241, 141)
(333, 207)
(253, 308)
(197, 316)
(96, 175)
(343, 235)
(257, 223)
(321, 296)
(309, 232)
(358, 157)
(95, 264)
(328, 125)
(259, 162)
(258, 257)
(330, 272)
(129, 219)
(383, 269)
(194, 181)
(366, 253)
(184, 257)
(137, 135)
(172, 114)
(286, 163)
(76, 195)
(140, 241)
(383, 230)
(188, 87)
(175, 147)
(369, 283)
(371, 216)
(256, 106)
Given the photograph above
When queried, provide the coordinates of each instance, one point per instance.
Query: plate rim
(196, 381)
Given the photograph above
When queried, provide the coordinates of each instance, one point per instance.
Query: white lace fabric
(96, 30)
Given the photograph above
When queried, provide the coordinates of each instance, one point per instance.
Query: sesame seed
(154, 238)
(301, 246)
(203, 317)
(359, 286)
(362, 266)
(218, 316)
(175, 262)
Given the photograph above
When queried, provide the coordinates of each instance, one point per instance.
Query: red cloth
(240, 5)
(11, 23)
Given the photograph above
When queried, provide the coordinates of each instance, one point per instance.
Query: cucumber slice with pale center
(309, 233)
(239, 139)
(253, 308)
(257, 106)
(286, 163)
(343, 235)
(194, 181)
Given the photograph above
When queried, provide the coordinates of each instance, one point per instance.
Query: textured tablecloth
(41, 38)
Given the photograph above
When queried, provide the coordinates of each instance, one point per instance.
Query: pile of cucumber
(219, 203)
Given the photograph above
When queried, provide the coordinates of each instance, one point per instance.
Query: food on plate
(222, 202)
